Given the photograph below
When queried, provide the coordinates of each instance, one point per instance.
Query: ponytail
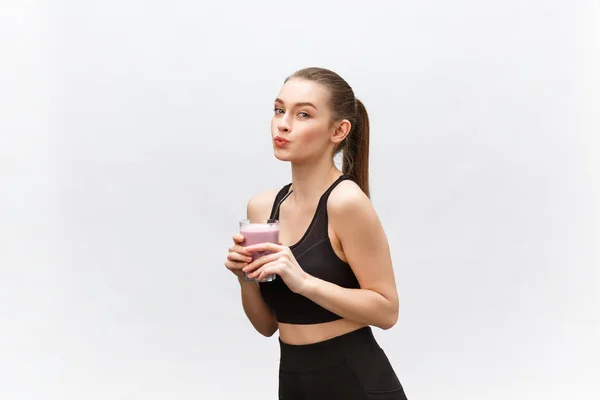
(356, 149)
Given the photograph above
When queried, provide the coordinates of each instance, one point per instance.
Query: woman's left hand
(281, 262)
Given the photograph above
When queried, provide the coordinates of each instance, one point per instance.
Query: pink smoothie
(259, 233)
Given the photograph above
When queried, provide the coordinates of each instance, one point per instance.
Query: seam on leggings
(349, 366)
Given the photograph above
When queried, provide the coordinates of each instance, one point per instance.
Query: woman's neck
(311, 180)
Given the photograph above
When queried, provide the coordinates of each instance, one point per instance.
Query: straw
(281, 201)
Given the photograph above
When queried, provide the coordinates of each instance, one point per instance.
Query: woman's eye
(303, 115)
(278, 110)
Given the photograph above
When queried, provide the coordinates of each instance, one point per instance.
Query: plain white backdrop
(132, 134)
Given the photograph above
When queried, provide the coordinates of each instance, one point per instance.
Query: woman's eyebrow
(303, 103)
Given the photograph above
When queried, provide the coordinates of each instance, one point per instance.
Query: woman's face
(302, 121)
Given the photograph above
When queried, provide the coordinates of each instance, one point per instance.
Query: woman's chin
(281, 155)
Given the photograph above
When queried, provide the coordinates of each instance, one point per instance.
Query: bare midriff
(314, 333)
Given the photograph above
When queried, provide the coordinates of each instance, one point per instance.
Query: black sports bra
(316, 256)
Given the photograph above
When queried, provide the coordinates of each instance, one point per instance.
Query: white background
(132, 133)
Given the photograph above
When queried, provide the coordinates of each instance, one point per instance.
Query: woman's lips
(280, 142)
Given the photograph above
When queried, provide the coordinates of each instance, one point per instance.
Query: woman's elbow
(391, 317)
(389, 323)
(268, 331)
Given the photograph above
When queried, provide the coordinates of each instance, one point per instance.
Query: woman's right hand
(238, 257)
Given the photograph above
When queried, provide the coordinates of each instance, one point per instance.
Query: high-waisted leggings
(347, 367)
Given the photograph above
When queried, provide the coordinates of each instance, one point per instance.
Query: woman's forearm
(360, 305)
(258, 312)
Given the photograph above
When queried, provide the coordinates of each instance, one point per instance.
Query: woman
(334, 272)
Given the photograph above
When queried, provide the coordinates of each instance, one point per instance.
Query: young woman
(334, 271)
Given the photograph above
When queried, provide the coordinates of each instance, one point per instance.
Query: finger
(239, 249)
(274, 269)
(265, 247)
(268, 269)
(259, 262)
(266, 273)
(238, 238)
(239, 257)
(235, 266)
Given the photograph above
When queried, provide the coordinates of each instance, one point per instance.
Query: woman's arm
(366, 248)
(260, 315)
(258, 312)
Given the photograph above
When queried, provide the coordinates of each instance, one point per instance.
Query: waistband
(330, 352)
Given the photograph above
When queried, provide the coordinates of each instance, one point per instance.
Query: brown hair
(345, 105)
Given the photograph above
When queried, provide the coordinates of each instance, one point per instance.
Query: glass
(260, 231)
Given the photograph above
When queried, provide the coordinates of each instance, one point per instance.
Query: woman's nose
(283, 124)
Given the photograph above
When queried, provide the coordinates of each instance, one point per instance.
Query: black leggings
(347, 367)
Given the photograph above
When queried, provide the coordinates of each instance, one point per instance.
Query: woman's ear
(341, 130)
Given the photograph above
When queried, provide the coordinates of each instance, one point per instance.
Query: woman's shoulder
(259, 206)
(347, 194)
(347, 200)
